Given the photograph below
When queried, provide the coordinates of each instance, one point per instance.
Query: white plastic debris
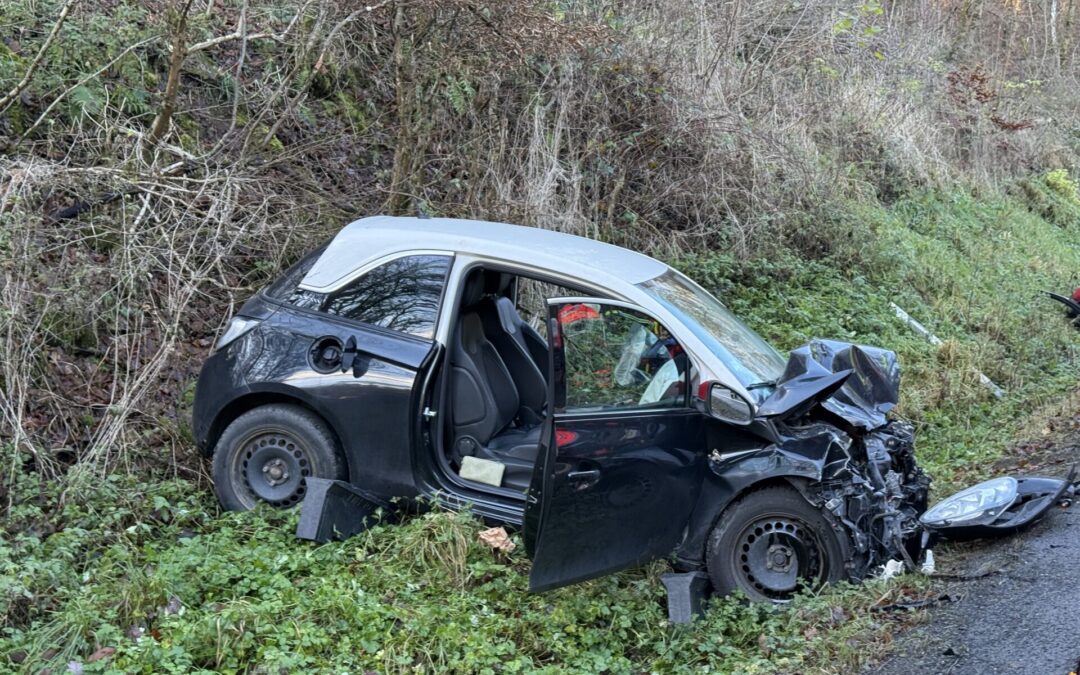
(891, 569)
(936, 341)
(928, 563)
(481, 470)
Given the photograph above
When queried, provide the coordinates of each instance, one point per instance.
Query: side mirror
(728, 406)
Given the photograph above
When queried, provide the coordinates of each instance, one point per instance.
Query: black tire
(266, 453)
(772, 543)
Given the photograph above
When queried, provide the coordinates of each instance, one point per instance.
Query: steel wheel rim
(775, 554)
(271, 465)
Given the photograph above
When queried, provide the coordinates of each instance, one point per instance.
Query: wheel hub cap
(779, 558)
(774, 553)
(276, 472)
(272, 466)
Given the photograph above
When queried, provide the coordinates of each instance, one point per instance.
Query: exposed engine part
(878, 495)
(831, 436)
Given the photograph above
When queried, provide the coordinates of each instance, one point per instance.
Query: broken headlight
(987, 499)
(238, 326)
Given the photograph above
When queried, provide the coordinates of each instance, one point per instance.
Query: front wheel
(266, 455)
(772, 543)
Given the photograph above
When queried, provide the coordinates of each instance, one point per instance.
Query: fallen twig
(29, 74)
(936, 341)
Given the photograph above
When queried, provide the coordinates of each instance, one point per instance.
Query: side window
(403, 295)
(616, 358)
(532, 295)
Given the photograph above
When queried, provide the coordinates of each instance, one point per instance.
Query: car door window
(403, 294)
(618, 358)
(283, 288)
(531, 300)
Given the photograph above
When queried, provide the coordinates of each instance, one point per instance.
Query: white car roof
(368, 242)
(371, 239)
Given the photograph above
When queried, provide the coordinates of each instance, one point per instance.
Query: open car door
(622, 458)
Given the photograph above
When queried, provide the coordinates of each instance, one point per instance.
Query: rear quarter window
(403, 295)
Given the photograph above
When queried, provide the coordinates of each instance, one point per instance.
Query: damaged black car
(592, 396)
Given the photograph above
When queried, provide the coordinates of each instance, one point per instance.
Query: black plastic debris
(333, 509)
(1072, 307)
(686, 594)
(934, 601)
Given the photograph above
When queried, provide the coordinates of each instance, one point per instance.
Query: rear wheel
(772, 543)
(266, 455)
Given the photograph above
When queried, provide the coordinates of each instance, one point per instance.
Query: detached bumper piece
(686, 594)
(334, 509)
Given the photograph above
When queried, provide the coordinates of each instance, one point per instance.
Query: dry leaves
(498, 539)
(103, 653)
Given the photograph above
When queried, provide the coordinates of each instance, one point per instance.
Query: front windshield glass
(753, 360)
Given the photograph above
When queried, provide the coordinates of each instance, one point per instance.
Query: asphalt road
(1020, 615)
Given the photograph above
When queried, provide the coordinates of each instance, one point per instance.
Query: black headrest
(473, 290)
(508, 316)
(496, 283)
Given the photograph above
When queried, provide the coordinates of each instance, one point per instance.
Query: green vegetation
(232, 592)
(811, 162)
(237, 592)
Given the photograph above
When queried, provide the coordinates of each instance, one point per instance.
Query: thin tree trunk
(403, 83)
(1053, 25)
(1067, 38)
(172, 85)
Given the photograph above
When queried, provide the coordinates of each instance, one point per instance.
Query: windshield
(753, 360)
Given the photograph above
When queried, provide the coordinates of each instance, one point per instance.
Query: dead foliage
(158, 170)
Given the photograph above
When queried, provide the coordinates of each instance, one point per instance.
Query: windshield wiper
(761, 385)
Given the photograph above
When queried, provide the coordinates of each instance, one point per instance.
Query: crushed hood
(857, 383)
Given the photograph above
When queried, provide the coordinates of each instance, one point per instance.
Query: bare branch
(18, 88)
(372, 8)
(213, 42)
(242, 29)
(240, 32)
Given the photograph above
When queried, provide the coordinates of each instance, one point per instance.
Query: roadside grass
(152, 569)
(155, 572)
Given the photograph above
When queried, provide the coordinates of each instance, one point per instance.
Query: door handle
(590, 474)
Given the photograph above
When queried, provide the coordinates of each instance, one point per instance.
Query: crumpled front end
(869, 482)
(877, 492)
